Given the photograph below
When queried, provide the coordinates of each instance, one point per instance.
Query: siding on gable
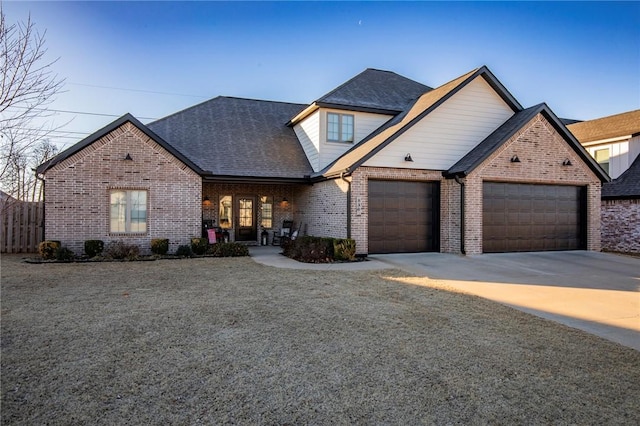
(364, 123)
(621, 154)
(449, 132)
(308, 133)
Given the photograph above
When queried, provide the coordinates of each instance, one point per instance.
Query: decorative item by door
(246, 228)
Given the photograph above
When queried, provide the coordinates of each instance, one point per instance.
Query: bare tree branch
(27, 86)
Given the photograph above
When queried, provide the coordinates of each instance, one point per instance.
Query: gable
(106, 133)
(543, 154)
(445, 135)
(312, 134)
(514, 126)
(114, 153)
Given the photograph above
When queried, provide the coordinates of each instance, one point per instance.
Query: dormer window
(339, 127)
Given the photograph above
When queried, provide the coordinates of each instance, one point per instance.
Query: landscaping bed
(225, 340)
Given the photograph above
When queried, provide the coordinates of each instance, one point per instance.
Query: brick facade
(541, 151)
(621, 225)
(78, 192)
(322, 208)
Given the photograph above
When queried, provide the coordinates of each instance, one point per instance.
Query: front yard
(217, 341)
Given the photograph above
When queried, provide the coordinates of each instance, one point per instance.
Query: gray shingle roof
(376, 90)
(627, 185)
(238, 138)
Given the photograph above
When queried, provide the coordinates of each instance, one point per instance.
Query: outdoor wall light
(567, 162)
(515, 159)
(408, 157)
(128, 157)
(206, 201)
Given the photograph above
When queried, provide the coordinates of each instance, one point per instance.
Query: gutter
(459, 182)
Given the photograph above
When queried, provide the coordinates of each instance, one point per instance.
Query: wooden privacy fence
(21, 227)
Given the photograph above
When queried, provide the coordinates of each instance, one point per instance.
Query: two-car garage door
(403, 217)
(526, 217)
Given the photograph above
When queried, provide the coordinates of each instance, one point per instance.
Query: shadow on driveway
(595, 292)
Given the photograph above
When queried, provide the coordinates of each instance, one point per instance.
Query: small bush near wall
(159, 246)
(184, 251)
(120, 250)
(47, 249)
(311, 249)
(93, 248)
(199, 245)
(228, 250)
(344, 249)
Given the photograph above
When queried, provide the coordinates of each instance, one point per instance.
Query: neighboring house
(614, 141)
(392, 163)
(621, 211)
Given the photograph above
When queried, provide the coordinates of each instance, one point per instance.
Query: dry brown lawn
(220, 341)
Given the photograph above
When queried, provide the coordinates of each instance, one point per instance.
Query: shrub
(228, 250)
(120, 250)
(344, 249)
(47, 249)
(184, 251)
(93, 248)
(63, 253)
(159, 246)
(199, 245)
(310, 249)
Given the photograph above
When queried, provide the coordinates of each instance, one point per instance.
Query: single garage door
(403, 216)
(526, 217)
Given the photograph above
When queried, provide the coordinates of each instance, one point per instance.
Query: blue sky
(581, 58)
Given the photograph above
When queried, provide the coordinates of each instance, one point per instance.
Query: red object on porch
(212, 236)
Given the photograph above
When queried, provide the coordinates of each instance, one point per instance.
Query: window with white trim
(128, 211)
(339, 127)
(602, 157)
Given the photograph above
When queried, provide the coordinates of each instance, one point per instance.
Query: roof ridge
(223, 97)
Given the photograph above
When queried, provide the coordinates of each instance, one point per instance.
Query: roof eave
(303, 114)
(214, 178)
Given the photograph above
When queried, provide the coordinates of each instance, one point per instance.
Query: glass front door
(246, 228)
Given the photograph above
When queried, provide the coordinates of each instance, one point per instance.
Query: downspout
(44, 221)
(348, 204)
(459, 182)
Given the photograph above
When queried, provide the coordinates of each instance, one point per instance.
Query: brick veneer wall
(77, 192)
(281, 210)
(360, 197)
(621, 225)
(541, 151)
(323, 208)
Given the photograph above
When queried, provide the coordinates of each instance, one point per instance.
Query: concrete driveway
(595, 292)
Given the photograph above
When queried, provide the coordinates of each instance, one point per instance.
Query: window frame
(127, 206)
(606, 166)
(340, 130)
(266, 200)
(223, 209)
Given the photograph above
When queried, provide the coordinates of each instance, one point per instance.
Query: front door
(246, 229)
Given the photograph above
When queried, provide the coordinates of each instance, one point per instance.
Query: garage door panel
(527, 217)
(403, 216)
